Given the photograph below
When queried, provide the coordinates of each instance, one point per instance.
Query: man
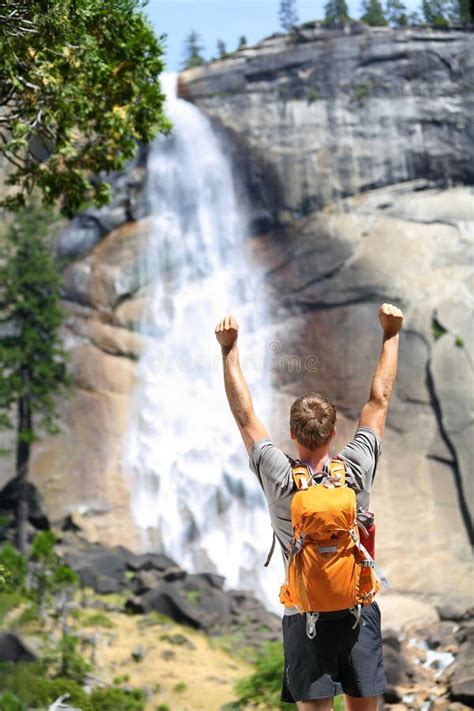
(341, 658)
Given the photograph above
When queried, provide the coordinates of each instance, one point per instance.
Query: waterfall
(192, 493)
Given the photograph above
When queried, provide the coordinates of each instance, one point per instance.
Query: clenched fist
(227, 331)
(391, 319)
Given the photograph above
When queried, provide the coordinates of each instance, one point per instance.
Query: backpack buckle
(311, 619)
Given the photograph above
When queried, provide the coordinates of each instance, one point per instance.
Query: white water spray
(192, 493)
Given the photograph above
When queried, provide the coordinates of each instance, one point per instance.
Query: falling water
(192, 494)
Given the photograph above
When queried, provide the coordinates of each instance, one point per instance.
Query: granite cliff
(355, 152)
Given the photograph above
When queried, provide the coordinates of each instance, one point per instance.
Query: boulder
(461, 684)
(13, 649)
(188, 602)
(36, 513)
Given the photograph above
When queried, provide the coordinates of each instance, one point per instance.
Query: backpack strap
(337, 471)
(301, 475)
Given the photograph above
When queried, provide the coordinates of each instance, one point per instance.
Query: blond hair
(312, 420)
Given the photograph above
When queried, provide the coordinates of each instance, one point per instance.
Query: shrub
(28, 681)
(264, 685)
(98, 619)
(8, 601)
(15, 565)
(10, 702)
(103, 699)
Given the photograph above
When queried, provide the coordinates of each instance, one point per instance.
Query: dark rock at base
(102, 569)
(391, 695)
(456, 614)
(191, 602)
(145, 580)
(397, 669)
(174, 573)
(9, 499)
(214, 580)
(390, 638)
(462, 676)
(149, 561)
(12, 649)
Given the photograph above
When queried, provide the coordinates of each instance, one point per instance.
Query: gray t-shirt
(273, 470)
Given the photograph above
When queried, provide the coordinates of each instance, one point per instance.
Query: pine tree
(288, 14)
(396, 13)
(221, 49)
(192, 51)
(336, 11)
(435, 12)
(242, 42)
(373, 13)
(32, 360)
(460, 11)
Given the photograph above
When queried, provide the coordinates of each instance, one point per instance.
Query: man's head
(312, 421)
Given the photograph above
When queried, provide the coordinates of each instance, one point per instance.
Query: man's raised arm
(238, 394)
(374, 412)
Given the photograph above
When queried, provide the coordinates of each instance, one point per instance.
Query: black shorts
(339, 659)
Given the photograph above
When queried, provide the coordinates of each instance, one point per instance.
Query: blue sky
(227, 20)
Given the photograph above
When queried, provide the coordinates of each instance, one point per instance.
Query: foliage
(461, 11)
(15, 565)
(192, 53)
(49, 575)
(73, 665)
(264, 685)
(30, 683)
(10, 702)
(180, 687)
(98, 619)
(103, 699)
(288, 14)
(8, 602)
(373, 13)
(79, 87)
(312, 95)
(435, 12)
(396, 13)
(242, 42)
(336, 11)
(193, 596)
(221, 49)
(32, 359)
(437, 329)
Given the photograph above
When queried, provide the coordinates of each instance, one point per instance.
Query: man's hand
(374, 412)
(227, 331)
(391, 320)
(238, 394)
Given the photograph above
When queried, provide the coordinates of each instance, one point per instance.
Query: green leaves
(76, 96)
(32, 358)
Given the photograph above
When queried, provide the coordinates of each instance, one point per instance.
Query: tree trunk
(24, 430)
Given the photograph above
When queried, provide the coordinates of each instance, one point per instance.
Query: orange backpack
(328, 567)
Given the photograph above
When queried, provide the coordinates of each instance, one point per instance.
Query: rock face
(333, 113)
(342, 141)
(348, 143)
